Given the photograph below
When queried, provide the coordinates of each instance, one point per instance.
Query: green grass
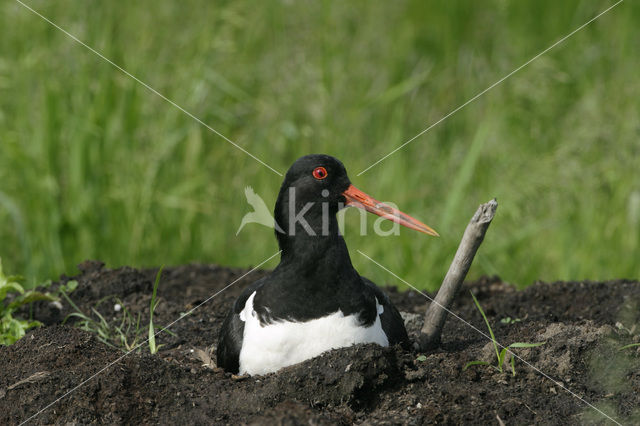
(500, 354)
(93, 165)
(153, 348)
(632, 345)
(125, 333)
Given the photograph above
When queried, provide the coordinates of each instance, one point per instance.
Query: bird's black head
(310, 196)
(314, 189)
(316, 178)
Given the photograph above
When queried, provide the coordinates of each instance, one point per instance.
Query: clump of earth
(61, 374)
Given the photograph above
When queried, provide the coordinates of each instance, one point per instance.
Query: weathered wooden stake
(436, 313)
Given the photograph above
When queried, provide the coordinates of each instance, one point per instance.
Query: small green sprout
(12, 329)
(128, 334)
(509, 320)
(101, 328)
(500, 354)
(421, 358)
(68, 287)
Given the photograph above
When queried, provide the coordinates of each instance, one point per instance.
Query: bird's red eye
(320, 173)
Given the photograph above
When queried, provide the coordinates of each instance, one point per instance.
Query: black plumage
(315, 277)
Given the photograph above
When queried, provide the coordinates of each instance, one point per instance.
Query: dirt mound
(583, 324)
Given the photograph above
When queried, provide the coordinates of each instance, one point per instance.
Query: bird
(314, 300)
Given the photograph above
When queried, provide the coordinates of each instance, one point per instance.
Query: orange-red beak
(357, 198)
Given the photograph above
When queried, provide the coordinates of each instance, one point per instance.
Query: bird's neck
(308, 234)
(311, 248)
(310, 245)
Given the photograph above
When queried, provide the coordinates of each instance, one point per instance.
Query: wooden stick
(437, 310)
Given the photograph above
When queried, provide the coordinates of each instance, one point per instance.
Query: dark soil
(75, 378)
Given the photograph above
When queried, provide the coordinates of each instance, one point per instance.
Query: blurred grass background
(93, 165)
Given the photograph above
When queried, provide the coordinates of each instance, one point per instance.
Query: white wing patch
(268, 348)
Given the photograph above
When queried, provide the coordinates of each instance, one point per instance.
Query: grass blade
(152, 336)
(633, 345)
(493, 338)
(503, 353)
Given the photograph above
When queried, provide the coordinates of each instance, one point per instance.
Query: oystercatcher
(314, 300)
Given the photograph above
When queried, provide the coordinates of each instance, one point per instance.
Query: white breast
(271, 347)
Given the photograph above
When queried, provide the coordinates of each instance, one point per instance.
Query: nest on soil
(584, 325)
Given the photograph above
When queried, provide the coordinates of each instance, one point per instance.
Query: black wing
(392, 322)
(232, 332)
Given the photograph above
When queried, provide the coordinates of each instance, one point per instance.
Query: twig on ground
(437, 311)
(31, 379)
